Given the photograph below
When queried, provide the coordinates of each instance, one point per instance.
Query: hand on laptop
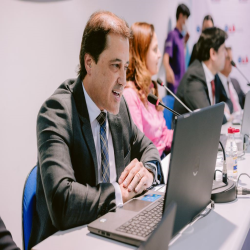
(136, 177)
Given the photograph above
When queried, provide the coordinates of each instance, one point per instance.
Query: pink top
(150, 121)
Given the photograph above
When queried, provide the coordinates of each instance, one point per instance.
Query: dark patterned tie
(104, 148)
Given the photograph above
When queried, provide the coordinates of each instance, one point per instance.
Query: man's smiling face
(108, 75)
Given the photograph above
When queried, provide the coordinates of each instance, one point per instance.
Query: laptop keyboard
(145, 222)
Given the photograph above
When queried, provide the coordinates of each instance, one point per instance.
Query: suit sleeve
(196, 96)
(70, 203)
(6, 241)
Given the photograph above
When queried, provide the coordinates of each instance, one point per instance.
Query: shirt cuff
(118, 194)
(153, 169)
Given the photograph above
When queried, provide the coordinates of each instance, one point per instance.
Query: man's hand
(136, 177)
(170, 76)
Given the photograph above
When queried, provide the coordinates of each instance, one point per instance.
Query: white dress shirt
(224, 81)
(209, 77)
(94, 111)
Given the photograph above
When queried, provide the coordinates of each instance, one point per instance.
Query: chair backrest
(28, 206)
(168, 101)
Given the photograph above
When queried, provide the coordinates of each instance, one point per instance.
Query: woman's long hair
(142, 34)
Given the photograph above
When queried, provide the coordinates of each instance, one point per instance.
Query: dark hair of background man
(94, 39)
(210, 38)
(208, 17)
(182, 9)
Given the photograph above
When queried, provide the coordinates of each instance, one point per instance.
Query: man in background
(208, 22)
(229, 87)
(197, 87)
(174, 56)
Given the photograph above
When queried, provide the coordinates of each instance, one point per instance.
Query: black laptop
(192, 164)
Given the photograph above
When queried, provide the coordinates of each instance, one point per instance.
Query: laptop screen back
(192, 163)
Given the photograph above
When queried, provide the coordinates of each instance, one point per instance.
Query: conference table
(225, 227)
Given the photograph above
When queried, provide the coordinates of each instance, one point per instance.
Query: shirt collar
(223, 78)
(208, 74)
(93, 110)
(180, 34)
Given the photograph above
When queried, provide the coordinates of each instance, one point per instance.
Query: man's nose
(122, 78)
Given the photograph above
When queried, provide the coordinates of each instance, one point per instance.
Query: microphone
(234, 65)
(154, 100)
(160, 82)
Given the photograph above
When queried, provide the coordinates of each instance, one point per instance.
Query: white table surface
(226, 227)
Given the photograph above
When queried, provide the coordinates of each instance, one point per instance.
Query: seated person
(197, 87)
(6, 241)
(143, 64)
(208, 22)
(91, 156)
(229, 86)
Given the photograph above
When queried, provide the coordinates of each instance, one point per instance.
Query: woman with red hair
(143, 64)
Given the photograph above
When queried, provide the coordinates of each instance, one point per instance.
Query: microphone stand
(160, 82)
(234, 65)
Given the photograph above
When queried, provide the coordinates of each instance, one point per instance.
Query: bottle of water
(231, 155)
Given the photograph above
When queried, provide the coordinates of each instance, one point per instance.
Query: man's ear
(88, 61)
(212, 53)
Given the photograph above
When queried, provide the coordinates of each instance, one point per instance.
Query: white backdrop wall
(39, 48)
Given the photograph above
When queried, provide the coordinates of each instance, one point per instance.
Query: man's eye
(117, 66)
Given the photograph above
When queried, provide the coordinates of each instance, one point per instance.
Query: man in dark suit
(208, 22)
(229, 87)
(197, 87)
(91, 156)
(6, 241)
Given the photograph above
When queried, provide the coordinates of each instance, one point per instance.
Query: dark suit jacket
(68, 194)
(222, 95)
(6, 241)
(193, 90)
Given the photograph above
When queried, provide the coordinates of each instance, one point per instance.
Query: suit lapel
(201, 75)
(116, 132)
(84, 117)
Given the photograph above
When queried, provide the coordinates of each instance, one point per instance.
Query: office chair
(28, 205)
(168, 101)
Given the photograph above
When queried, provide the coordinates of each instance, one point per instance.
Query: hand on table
(135, 179)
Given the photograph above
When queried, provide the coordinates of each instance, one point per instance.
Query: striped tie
(104, 148)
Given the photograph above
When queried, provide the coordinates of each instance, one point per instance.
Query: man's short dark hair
(208, 17)
(94, 38)
(182, 9)
(210, 38)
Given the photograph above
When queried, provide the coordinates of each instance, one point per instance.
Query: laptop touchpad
(136, 205)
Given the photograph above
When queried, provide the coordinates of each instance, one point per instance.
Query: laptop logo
(196, 166)
(103, 220)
